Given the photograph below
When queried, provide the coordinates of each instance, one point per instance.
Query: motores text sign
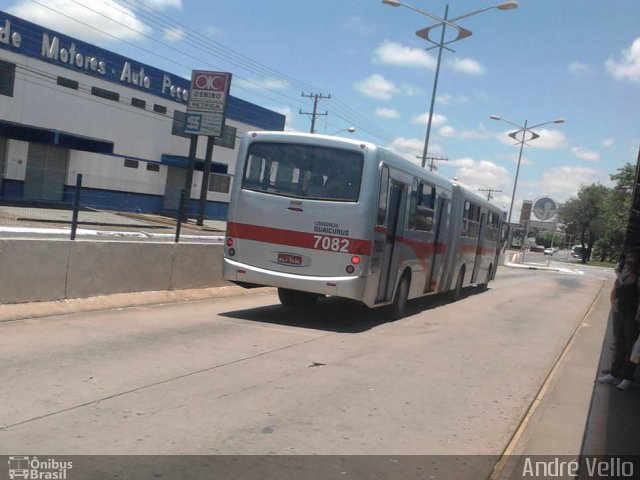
(207, 99)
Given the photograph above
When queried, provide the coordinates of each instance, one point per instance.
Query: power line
(210, 47)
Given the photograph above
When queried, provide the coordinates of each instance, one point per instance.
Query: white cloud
(449, 131)
(608, 142)
(392, 53)
(587, 155)
(481, 174)
(629, 65)
(411, 90)
(164, 4)
(514, 158)
(174, 34)
(376, 86)
(108, 16)
(566, 181)
(290, 116)
(577, 69)
(411, 148)
(387, 113)
(467, 65)
(450, 99)
(436, 120)
(357, 24)
(263, 84)
(212, 31)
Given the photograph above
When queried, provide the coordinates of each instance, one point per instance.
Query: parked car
(549, 251)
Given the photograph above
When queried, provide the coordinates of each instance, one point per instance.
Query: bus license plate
(288, 259)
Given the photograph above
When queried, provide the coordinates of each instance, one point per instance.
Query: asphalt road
(244, 375)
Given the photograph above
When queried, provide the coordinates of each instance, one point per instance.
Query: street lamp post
(350, 130)
(521, 129)
(441, 44)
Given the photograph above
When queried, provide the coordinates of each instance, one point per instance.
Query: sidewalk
(573, 414)
(35, 222)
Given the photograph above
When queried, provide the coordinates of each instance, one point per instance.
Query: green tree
(615, 218)
(584, 215)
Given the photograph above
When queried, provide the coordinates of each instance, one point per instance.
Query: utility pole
(316, 97)
(489, 190)
(432, 161)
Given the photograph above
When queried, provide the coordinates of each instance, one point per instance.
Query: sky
(576, 60)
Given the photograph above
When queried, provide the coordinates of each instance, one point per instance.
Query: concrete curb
(540, 267)
(22, 311)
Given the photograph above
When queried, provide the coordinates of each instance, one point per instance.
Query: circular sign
(544, 208)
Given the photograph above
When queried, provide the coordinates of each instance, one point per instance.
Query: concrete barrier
(33, 270)
(41, 270)
(197, 266)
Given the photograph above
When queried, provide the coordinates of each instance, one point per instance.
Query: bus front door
(390, 257)
(435, 276)
(479, 248)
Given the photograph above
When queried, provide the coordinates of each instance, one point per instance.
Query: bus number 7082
(333, 244)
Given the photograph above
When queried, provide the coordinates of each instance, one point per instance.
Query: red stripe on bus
(476, 250)
(292, 238)
(422, 249)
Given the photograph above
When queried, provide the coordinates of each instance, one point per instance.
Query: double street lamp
(522, 140)
(462, 33)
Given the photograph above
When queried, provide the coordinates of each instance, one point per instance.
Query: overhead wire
(158, 18)
(344, 112)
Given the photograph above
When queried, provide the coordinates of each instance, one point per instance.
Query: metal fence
(76, 213)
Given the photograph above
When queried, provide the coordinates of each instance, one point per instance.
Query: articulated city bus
(316, 215)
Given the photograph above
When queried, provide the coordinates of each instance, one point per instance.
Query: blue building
(69, 107)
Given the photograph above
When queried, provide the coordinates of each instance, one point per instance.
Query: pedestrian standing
(624, 305)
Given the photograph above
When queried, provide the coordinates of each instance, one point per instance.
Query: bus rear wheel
(485, 285)
(398, 308)
(297, 299)
(457, 292)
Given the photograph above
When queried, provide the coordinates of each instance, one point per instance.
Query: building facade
(68, 107)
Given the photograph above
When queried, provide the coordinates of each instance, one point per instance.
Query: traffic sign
(207, 102)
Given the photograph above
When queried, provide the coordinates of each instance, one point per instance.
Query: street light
(350, 130)
(524, 129)
(462, 33)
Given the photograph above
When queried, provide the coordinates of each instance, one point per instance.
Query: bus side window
(423, 213)
(382, 199)
(472, 219)
(254, 170)
(413, 204)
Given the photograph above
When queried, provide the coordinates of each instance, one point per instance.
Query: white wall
(16, 166)
(109, 173)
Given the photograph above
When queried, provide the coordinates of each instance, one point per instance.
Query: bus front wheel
(297, 299)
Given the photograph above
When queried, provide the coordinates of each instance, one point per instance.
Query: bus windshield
(303, 171)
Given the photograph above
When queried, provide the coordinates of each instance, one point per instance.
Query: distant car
(549, 251)
(576, 251)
